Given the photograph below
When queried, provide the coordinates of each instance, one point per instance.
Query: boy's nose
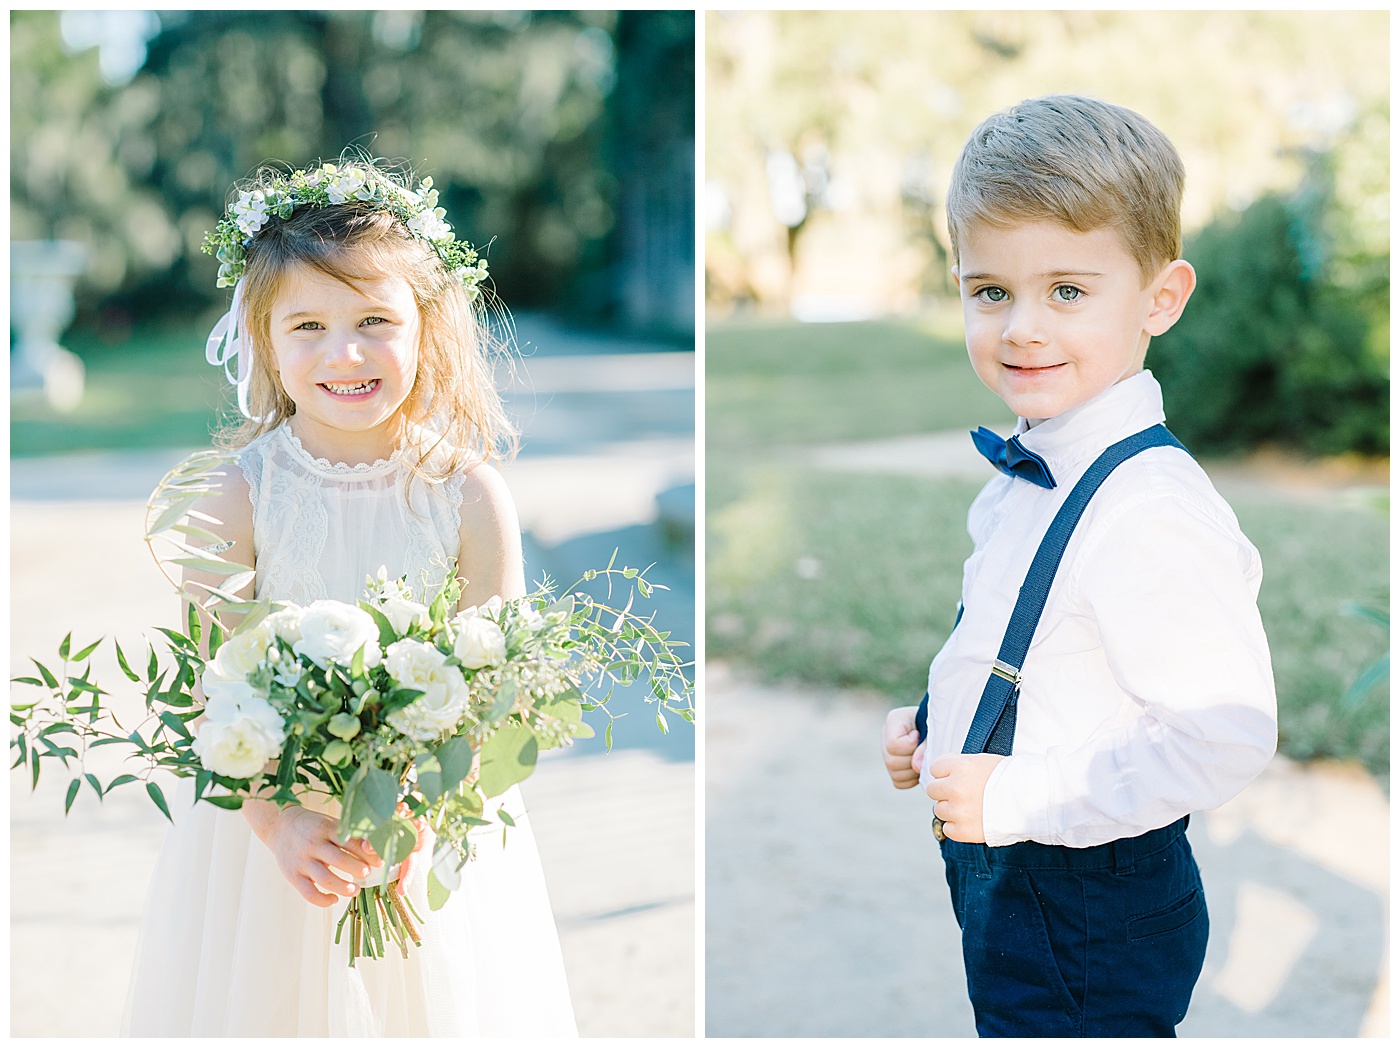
(1023, 327)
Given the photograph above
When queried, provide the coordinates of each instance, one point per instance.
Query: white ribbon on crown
(225, 347)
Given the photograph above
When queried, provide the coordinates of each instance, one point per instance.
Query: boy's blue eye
(1068, 293)
(993, 294)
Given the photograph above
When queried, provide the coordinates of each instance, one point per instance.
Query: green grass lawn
(852, 579)
(151, 390)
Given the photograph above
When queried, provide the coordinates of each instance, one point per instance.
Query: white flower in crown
(250, 212)
(345, 185)
(430, 225)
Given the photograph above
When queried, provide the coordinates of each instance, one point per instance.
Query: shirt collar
(1121, 410)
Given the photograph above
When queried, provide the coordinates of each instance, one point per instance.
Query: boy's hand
(959, 780)
(902, 751)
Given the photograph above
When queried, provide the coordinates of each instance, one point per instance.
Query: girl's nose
(345, 352)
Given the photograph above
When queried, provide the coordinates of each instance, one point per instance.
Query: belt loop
(984, 869)
(1122, 856)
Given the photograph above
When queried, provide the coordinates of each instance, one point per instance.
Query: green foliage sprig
(328, 185)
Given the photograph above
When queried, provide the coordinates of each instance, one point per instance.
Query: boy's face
(1053, 316)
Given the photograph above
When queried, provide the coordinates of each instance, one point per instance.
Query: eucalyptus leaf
(455, 756)
(438, 893)
(72, 793)
(507, 757)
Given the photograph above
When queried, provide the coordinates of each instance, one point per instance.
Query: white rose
(241, 652)
(403, 614)
(479, 642)
(332, 632)
(240, 732)
(414, 664)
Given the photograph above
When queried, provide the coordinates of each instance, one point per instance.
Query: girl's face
(347, 357)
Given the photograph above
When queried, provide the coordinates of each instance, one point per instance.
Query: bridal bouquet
(405, 714)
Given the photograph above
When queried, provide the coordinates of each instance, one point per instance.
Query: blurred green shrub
(1272, 347)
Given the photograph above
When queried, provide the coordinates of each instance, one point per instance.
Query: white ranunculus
(287, 623)
(414, 664)
(479, 642)
(240, 732)
(332, 632)
(403, 614)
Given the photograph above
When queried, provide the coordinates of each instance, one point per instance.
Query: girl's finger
(309, 892)
(326, 880)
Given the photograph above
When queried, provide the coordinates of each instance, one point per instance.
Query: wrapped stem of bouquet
(409, 716)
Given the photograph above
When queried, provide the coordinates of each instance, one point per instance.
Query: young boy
(1065, 747)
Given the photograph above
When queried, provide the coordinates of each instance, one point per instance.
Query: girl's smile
(347, 356)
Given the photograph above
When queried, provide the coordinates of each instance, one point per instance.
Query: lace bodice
(319, 528)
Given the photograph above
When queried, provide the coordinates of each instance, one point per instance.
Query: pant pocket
(1015, 978)
(1169, 918)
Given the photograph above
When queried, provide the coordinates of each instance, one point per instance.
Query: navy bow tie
(1012, 457)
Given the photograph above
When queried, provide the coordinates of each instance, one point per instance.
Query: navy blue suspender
(994, 724)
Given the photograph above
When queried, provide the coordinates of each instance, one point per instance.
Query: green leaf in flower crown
(231, 802)
(507, 757)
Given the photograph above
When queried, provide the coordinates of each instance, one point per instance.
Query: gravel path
(827, 913)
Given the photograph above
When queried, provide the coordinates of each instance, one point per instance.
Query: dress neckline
(357, 471)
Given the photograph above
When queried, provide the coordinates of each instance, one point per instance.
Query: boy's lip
(1022, 369)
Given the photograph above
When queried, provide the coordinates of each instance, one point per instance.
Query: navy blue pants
(1080, 942)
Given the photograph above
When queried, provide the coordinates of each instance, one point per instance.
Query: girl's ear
(1170, 292)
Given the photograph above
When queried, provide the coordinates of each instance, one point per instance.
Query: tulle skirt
(229, 948)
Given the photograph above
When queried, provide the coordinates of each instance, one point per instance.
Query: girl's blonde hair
(454, 396)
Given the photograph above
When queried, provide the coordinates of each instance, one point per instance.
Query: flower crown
(332, 184)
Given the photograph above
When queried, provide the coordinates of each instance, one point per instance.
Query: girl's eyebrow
(307, 314)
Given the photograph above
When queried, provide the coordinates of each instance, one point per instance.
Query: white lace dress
(228, 947)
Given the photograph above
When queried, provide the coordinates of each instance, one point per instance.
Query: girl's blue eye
(374, 320)
(993, 294)
(307, 325)
(1068, 293)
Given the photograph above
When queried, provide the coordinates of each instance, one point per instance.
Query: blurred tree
(891, 98)
(1272, 346)
(509, 111)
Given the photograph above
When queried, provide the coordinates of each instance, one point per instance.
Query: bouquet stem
(372, 913)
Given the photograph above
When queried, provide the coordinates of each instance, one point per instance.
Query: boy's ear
(1173, 288)
(954, 270)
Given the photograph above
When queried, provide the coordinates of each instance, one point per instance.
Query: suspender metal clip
(1006, 671)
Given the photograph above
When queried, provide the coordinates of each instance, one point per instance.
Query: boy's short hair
(1077, 161)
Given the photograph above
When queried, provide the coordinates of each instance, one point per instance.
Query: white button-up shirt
(1147, 692)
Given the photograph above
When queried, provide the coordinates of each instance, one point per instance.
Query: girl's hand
(304, 845)
(420, 827)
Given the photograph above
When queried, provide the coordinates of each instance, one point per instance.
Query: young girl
(373, 421)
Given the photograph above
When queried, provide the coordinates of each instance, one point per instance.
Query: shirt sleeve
(1171, 584)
